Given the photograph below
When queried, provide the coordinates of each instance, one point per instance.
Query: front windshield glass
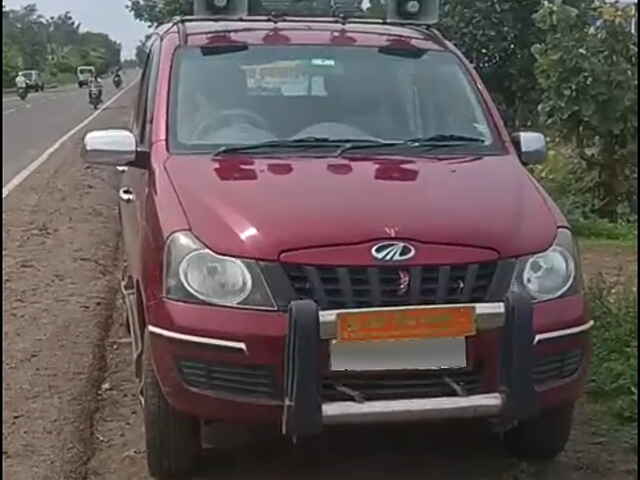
(28, 75)
(235, 96)
(85, 71)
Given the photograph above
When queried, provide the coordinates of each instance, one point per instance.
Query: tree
(157, 12)
(141, 51)
(497, 36)
(587, 67)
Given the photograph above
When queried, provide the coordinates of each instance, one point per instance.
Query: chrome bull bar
(387, 411)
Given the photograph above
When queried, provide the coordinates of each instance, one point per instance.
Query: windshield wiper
(302, 142)
(441, 140)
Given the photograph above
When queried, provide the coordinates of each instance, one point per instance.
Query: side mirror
(113, 148)
(531, 147)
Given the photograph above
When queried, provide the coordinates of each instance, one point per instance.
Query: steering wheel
(226, 117)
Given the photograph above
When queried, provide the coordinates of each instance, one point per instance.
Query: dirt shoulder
(611, 259)
(60, 252)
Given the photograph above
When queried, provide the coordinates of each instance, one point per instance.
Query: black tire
(172, 438)
(543, 437)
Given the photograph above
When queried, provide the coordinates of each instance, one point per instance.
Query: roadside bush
(573, 186)
(614, 371)
(570, 183)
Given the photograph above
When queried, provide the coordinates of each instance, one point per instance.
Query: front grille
(557, 367)
(400, 385)
(363, 287)
(243, 380)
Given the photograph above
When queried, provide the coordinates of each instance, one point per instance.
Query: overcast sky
(106, 16)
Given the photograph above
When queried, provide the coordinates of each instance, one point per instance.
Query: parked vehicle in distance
(307, 249)
(84, 75)
(35, 83)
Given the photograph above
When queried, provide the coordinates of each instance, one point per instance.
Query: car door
(134, 183)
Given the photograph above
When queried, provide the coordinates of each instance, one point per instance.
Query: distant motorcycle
(117, 81)
(95, 97)
(23, 93)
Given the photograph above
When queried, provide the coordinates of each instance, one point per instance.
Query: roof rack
(182, 21)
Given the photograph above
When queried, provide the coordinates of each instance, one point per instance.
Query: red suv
(326, 222)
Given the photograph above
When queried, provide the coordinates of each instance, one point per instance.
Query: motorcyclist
(21, 87)
(95, 85)
(21, 82)
(117, 78)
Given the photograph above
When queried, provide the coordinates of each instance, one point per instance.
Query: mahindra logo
(393, 251)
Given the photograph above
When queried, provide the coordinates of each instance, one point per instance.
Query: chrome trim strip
(473, 406)
(562, 333)
(216, 342)
(488, 315)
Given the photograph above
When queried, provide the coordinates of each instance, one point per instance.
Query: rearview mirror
(113, 148)
(531, 147)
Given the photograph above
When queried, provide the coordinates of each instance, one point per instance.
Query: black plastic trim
(302, 413)
(518, 359)
(278, 284)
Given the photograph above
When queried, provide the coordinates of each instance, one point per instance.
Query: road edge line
(22, 176)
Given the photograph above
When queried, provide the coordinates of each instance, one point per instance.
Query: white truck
(84, 74)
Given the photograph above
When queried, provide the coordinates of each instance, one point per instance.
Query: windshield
(225, 96)
(85, 71)
(28, 75)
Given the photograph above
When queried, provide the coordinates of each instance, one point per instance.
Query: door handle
(126, 195)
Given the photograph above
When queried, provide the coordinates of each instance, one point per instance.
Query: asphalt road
(29, 128)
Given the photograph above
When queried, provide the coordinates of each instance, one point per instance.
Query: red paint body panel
(288, 33)
(239, 207)
(264, 334)
(427, 254)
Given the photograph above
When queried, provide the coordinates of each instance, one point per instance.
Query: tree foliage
(587, 67)
(54, 45)
(497, 36)
(157, 12)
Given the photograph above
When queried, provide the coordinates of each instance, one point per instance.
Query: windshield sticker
(323, 62)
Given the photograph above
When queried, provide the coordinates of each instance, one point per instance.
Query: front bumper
(390, 411)
(506, 352)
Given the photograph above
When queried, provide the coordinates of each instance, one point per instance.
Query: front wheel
(172, 438)
(543, 437)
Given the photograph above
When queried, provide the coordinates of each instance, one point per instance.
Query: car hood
(265, 208)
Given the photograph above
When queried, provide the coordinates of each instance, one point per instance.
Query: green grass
(614, 369)
(598, 229)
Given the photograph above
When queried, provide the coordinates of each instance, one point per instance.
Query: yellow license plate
(411, 323)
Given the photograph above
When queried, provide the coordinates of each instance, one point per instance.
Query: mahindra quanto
(326, 222)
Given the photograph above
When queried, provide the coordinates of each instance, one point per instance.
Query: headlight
(552, 273)
(194, 273)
